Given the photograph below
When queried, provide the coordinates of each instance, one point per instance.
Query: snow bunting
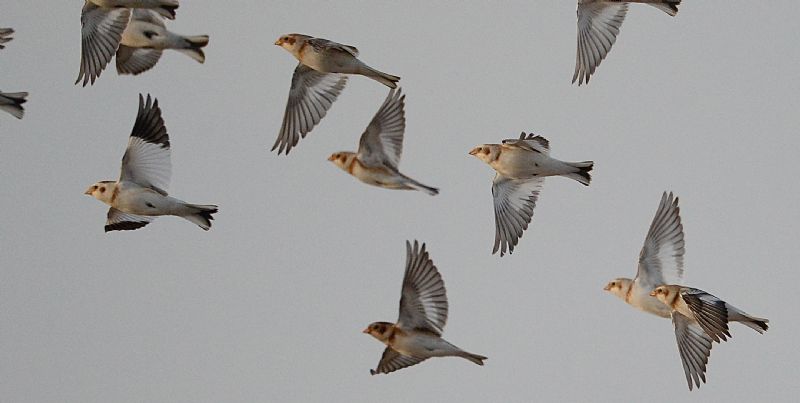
(521, 165)
(107, 24)
(598, 26)
(380, 148)
(11, 102)
(710, 312)
(661, 259)
(317, 81)
(140, 193)
(417, 335)
(5, 36)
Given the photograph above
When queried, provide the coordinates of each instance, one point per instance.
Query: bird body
(380, 149)
(146, 30)
(140, 193)
(417, 335)
(521, 165)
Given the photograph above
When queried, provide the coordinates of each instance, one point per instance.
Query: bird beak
(607, 287)
(88, 191)
(278, 42)
(331, 158)
(653, 293)
(365, 331)
(473, 152)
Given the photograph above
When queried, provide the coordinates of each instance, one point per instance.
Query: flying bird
(140, 193)
(706, 310)
(660, 262)
(318, 79)
(11, 102)
(5, 36)
(598, 26)
(380, 148)
(417, 335)
(132, 30)
(521, 165)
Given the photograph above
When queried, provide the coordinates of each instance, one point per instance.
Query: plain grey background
(269, 305)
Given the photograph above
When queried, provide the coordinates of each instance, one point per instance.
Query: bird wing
(661, 258)
(382, 141)
(119, 221)
(391, 361)
(694, 347)
(136, 60)
(5, 36)
(530, 142)
(324, 45)
(147, 159)
(709, 311)
(514, 201)
(423, 298)
(101, 33)
(311, 95)
(598, 27)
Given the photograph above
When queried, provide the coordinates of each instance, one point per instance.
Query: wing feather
(423, 300)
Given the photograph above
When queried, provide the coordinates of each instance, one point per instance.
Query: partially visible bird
(11, 102)
(317, 81)
(139, 195)
(417, 335)
(710, 312)
(5, 36)
(134, 31)
(660, 261)
(521, 165)
(598, 25)
(380, 148)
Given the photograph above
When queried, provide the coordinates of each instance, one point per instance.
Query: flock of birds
(133, 31)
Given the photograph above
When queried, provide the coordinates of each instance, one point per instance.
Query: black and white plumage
(599, 22)
(11, 102)
(140, 194)
(699, 319)
(521, 165)
(380, 149)
(423, 314)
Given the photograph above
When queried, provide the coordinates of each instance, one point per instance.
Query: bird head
(619, 287)
(291, 42)
(341, 159)
(486, 152)
(663, 293)
(379, 330)
(102, 190)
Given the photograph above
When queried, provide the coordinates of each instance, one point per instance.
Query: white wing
(119, 221)
(514, 201)
(598, 26)
(101, 33)
(694, 347)
(311, 95)
(147, 159)
(423, 300)
(382, 142)
(661, 258)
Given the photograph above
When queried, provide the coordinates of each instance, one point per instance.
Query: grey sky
(269, 305)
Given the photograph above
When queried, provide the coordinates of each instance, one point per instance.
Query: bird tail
(166, 8)
(757, 324)
(379, 76)
(418, 186)
(478, 359)
(192, 47)
(15, 106)
(668, 6)
(582, 171)
(201, 214)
